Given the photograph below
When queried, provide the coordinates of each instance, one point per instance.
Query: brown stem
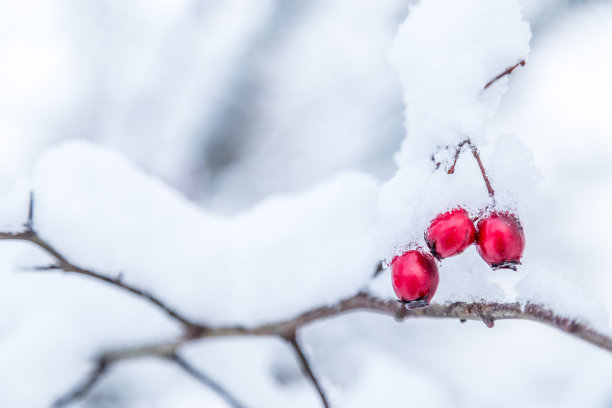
(482, 170)
(458, 151)
(476, 155)
(488, 313)
(481, 311)
(84, 387)
(508, 71)
(307, 369)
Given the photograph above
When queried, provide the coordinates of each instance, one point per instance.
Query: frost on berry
(450, 233)
(500, 240)
(414, 276)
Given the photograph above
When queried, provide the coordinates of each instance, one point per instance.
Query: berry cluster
(499, 239)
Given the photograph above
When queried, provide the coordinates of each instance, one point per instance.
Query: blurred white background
(230, 101)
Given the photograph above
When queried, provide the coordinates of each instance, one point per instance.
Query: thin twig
(508, 71)
(207, 381)
(307, 369)
(82, 389)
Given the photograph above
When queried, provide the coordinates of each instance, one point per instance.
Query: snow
(266, 264)
(443, 73)
(257, 110)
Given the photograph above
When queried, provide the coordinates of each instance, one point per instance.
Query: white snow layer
(285, 255)
(445, 52)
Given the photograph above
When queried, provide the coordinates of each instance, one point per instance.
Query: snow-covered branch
(64, 264)
(487, 312)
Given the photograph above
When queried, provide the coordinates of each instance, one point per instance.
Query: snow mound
(285, 255)
(445, 52)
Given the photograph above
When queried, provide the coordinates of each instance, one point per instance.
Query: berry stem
(476, 155)
(458, 151)
(482, 170)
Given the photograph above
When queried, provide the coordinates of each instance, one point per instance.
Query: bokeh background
(230, 101)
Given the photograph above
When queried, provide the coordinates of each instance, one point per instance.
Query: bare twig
(508, 71)
(84, 387)
(307, 369)
(207, 381)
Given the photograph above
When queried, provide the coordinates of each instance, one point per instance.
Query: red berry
(500, 240)
(414, 275)
(450, 233)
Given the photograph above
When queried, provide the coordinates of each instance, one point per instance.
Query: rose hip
(500, 240)
(414, 275)
(450, 233)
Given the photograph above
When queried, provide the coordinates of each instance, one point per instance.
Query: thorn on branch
(379, 268)
(489, 322)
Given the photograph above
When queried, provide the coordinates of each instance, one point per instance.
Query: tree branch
(486, 312)
(483, 311)
(207, 381)
(84, 387)
(307, 370)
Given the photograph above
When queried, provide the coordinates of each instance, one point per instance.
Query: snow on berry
(501, 240)
(450, 233)
(414, 276)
